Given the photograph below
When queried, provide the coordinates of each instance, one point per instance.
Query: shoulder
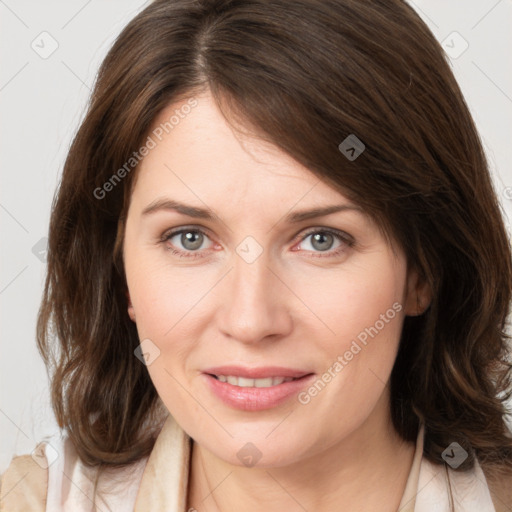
(480, 482)
(53, 478)
(24, 484)
(500, 488)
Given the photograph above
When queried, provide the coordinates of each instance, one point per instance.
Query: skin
(296, 305)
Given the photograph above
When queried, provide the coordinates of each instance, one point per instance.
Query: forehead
(197, 151)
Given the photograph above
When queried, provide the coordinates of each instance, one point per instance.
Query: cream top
(160, 481)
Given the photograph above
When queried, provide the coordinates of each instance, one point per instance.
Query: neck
(353, 475)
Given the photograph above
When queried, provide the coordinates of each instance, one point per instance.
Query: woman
(276, 268)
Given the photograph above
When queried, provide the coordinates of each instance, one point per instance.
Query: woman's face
(243, 278)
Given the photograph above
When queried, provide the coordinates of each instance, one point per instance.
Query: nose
(254, 303)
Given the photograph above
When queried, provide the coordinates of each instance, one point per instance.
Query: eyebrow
(207, 214)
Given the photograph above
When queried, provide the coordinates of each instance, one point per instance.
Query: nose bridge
(255, 306)
(251, 280)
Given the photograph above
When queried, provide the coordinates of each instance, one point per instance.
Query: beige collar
(165, 479)
(408, 501)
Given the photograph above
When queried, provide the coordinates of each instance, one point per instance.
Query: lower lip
(253, 398)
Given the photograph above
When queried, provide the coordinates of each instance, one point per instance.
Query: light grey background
(42, 100)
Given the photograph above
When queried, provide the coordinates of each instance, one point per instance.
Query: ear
(418, 293)
(131, 311)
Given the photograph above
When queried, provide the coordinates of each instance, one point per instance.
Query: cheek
(363, 308)
(169, 303)
(354, 300)
(165, 299)
(162, 295)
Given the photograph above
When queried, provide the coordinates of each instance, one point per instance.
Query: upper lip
(256, 373)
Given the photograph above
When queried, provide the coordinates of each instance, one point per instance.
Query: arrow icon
(454, 455)
(44, 44)
(249, 249)
(351, 147)
(147, 352)
(454, 45)
(249, 455)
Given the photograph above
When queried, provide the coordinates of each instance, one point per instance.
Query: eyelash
(340, 235)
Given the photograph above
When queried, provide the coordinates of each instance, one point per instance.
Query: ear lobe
(419, 294)
(131, 310)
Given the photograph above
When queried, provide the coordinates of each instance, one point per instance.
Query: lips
(255, 389)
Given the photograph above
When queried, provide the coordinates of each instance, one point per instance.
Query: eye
(322, 240)
(186, 242)
(189, 242)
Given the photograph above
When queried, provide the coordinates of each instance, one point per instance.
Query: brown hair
(302, 74)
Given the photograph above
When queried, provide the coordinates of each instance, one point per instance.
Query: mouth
(266, 388)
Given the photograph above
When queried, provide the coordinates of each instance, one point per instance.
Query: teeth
(249, 383)
(266, 383)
